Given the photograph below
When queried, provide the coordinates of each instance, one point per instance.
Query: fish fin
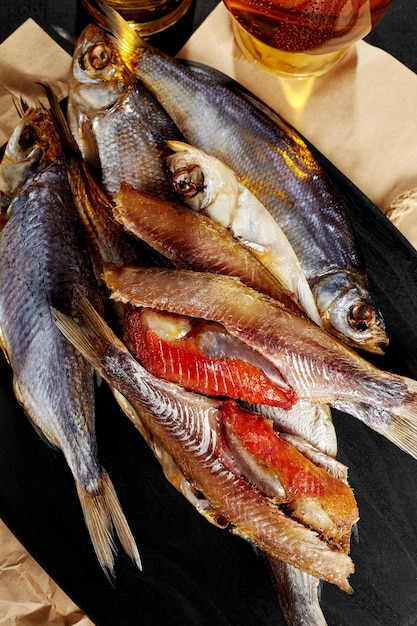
(178, 146)
(401, 206)
(91, 151)
(271, 114)
(67, 139)
(59, 119)
(92, 337)
(102, 510)
(402, 430)
(3, 348)
(46, 436)
(125, 38)
(398, 423)
(103, 514)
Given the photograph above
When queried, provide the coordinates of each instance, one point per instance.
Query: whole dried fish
(44, 262)
(107, 240)
(189, 428)
(318, 367)
(207, 185)
(274, 162)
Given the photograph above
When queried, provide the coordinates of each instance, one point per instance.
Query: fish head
(203, 183)
(127, 39)
(348, 312)
(34, 142)
(98, 84)
(99, 78)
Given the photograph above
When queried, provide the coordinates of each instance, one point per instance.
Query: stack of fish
(239, 297)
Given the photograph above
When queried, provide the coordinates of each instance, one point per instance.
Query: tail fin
(298, 593)
(396, 422)
(103, 515)
(402, 430)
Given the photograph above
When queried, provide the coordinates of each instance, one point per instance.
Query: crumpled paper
(29, 56)
(28, 596)
(362, 116)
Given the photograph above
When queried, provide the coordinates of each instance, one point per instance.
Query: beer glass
(299, 38)
(151, 16)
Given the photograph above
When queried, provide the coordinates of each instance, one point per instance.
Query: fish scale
(24, 304)
(128, 134)
(44, 262)
(189, 428)
(276, 165)
(317, 366)
(255, 152)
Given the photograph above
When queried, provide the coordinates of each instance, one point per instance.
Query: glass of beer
(300, 38)
(151, 16)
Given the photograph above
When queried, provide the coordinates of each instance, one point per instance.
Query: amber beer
(151, 16)
(296, 38)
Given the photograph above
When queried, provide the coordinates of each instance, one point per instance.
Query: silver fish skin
(187, 427)
(108, 241)
(44, 261)
(205, 184)
(298, 594)
(274, 163)
(119, 127)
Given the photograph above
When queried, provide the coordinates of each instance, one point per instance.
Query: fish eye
(360, 316)
(188, 181)
(27, 137)
(97, 57)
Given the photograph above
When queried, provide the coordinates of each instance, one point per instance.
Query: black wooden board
(195, 574)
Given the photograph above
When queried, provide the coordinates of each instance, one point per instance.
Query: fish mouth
(347, 311)
(13, 173)
(25, 149)
(96, 62)
(359, 325)
(365, 320)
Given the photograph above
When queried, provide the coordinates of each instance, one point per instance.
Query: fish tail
(402, 430)
(101, 507)
(298, 593)
(396, 422)
(103, 516)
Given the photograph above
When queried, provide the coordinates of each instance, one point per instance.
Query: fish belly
(269, 157)
(41, 262)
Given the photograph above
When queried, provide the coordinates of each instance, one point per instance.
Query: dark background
(195, 574)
